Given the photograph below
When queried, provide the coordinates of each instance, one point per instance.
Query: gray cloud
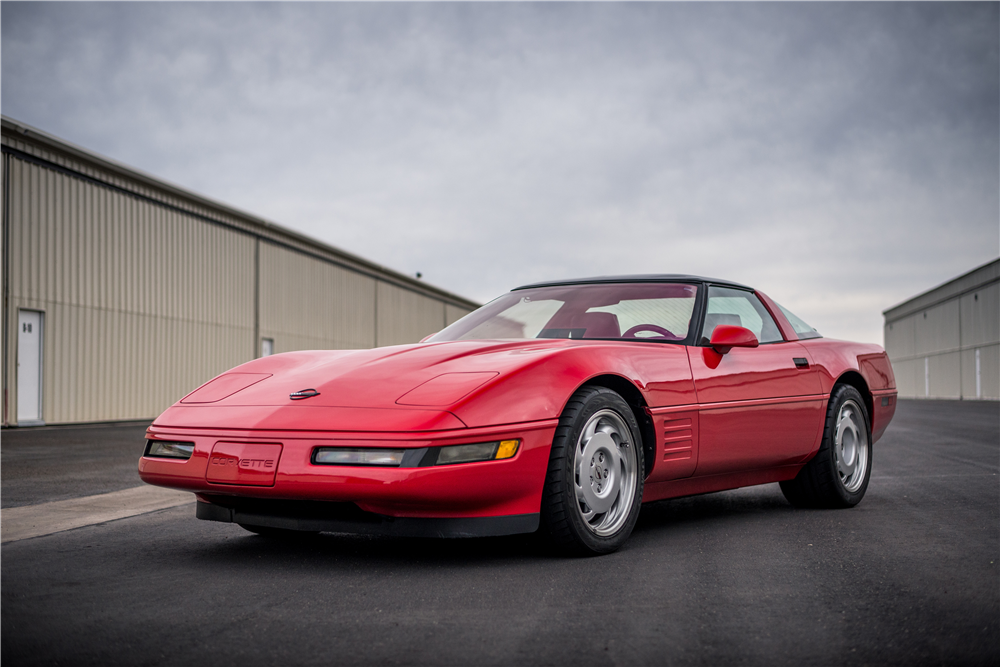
(841, 157)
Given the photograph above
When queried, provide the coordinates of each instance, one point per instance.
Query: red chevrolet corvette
(559, 406)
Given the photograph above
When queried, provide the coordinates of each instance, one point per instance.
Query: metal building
(945, 343)
(123, 292)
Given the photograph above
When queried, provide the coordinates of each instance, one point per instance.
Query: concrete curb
(21, 523)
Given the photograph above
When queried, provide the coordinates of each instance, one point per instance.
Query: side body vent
(678, 439)
(677, 445)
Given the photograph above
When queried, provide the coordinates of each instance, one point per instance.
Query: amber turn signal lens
(481, 451)
(507, 449)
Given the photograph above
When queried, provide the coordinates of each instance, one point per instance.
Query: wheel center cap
(598, 481)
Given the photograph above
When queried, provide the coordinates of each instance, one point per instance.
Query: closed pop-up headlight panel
(223, 386)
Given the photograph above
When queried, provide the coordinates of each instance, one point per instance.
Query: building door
(29, 367)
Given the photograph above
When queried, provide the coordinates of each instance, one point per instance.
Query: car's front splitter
(333, 517)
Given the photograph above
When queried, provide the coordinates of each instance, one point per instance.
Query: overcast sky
(840, 157)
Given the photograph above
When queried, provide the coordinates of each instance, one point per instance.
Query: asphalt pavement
(909, 577)
(50, 463)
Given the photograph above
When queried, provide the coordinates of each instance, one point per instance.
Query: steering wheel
(631, 333)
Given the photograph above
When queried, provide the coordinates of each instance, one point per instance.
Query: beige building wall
(309, 304)
(945, 343)
(147, 291)
(453, 314)
(131, 293)
(405, 316)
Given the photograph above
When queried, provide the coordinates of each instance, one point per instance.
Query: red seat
(597, 325)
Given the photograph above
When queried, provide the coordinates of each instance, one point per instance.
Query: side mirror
(726, 337)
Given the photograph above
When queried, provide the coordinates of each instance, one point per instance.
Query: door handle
(801, 363)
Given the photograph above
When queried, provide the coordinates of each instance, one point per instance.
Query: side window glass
(739, 308)
(803, 330)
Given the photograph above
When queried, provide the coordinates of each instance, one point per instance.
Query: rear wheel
(593, 488)
(838, 475)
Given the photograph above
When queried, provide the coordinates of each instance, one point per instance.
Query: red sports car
(559, 406)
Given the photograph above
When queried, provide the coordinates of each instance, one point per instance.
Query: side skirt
(693, 486)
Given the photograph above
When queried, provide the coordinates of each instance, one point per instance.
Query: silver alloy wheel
(605, 473)
(850, 446)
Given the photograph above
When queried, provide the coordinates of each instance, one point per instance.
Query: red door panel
(757, 408)
(745, 374)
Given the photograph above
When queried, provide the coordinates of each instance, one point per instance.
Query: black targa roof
(639, 278)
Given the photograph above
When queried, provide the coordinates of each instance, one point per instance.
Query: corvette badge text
(248, 464)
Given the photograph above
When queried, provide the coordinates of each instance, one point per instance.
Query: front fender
(540, 387)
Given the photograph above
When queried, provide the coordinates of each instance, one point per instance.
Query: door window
(802, 329)
(739, 308)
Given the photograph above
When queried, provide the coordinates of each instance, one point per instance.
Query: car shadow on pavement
(656, 521)
(376, 550)
(713, 508)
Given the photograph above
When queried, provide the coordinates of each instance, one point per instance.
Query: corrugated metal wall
(145, 297)
(933, 349)
(309, 304)
(405, 316)
(453, 314)
(141, 303)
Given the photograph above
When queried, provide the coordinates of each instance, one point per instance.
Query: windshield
(630, 311)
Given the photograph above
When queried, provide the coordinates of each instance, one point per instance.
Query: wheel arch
(637, 402)
(856, 380)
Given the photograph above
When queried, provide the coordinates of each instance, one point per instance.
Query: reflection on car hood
(377, 378)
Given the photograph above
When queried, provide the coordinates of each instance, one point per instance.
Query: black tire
(278, 533)
(572, 526)
(822, 483)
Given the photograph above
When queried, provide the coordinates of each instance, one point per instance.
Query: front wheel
(593, 487)
(838, 475)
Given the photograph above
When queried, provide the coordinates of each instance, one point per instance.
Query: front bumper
(503, 488)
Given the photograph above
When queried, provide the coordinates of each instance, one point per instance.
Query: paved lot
(57, 463)
(909, 577)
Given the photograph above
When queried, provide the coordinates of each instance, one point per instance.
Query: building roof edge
(946, 290)
(27, 132)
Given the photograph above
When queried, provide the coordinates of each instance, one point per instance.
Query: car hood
(428, 386)
(429, 375)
